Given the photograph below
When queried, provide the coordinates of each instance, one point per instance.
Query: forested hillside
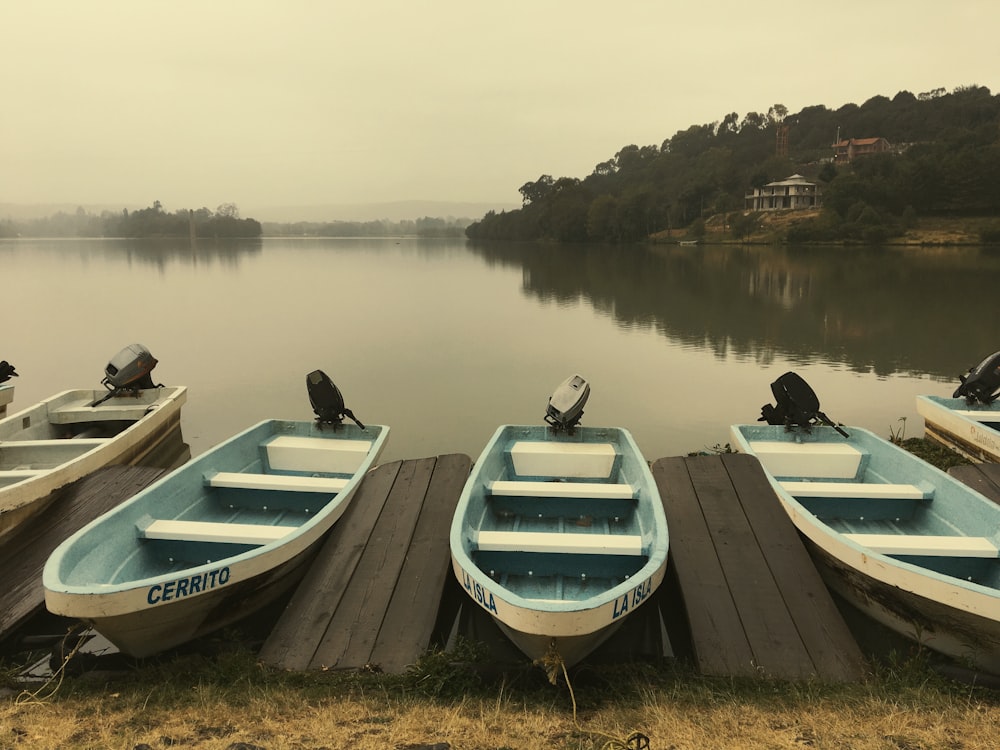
(945, 161)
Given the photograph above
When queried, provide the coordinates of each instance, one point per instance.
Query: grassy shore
(228, 701)
(221, 698)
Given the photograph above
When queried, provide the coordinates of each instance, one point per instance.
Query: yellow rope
(26, 697)
(552, 663)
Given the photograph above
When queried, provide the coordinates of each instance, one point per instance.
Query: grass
(230, 701)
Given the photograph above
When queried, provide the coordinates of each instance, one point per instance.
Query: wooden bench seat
(10, 476)
(859, 490)
(924, 545)
(533, 541)
(808, 460)
(583, 490)
(207, 531)
(538, 458)
(325, 455)
(280, 482)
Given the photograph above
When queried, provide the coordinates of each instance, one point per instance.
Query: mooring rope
(553, 663)
(26, 697)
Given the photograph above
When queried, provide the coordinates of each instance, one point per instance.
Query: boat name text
(189, 586)
(483, 597)
(633, 598)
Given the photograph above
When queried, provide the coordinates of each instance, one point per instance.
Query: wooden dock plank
(834, 651)
(983, 478)
(350, 637)
(371, 597)
(421, 582)
(23, 555)
(778, 650)
(718, 640)
(739, 564)
(293, 641)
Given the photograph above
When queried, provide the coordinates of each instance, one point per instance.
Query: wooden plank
(296, 636)
(582, 490)
(560, 543)
(983, 478)
(719, 644)
(213, 531)
(832, 648)
(350, 638)
(777, 647)
(23, 553)
(279, 482)
(410, 619)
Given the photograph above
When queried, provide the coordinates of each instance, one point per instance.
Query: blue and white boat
(969, 421)
(559, 533)
(901, 540)
(215, 540)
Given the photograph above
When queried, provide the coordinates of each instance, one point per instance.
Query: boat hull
(966, 636)
(150, 591)
(130, 444)
(946, 422)
(558, 600)
(948, 603)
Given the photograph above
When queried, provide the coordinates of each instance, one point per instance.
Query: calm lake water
(443, 340)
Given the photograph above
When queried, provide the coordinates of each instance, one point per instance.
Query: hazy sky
(199, 103)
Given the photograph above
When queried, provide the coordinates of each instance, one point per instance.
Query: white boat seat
(932, 546)
(326, 455)
(583, 490)
(20, 474)
(54, 443)
(858, 490)
(534, 541)
(208, 531)
(281, 482)
(808, 460)
(536, 458)
(104, 413)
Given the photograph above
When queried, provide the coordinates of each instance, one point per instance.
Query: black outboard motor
(128, 372)
(797, 405)
(6, 371)
(566, 405)
(981, 384)
(326, 400)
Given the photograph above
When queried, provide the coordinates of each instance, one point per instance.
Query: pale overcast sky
(199, 103)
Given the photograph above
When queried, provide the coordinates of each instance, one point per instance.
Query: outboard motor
(797, 405)
(981, 383)
(566, 405)
(6, 371)
(327, 401)
(128, 372)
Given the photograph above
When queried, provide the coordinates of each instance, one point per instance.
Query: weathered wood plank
(776, 644)
(718, 640)
(296, 636)
(983, 478)
(23, 554)
(410, 619)
(350, 637)
(830, 644)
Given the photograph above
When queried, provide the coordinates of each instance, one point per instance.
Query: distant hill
(392, 211)
(28, 211)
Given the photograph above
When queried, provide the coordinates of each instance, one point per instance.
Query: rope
(58, 676)
(553, 663)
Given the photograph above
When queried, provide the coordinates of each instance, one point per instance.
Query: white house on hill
(794, 192)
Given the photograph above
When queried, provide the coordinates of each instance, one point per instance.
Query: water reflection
(885, 310)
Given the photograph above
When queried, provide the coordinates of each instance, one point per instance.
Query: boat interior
(867, 501)
(561, 523)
